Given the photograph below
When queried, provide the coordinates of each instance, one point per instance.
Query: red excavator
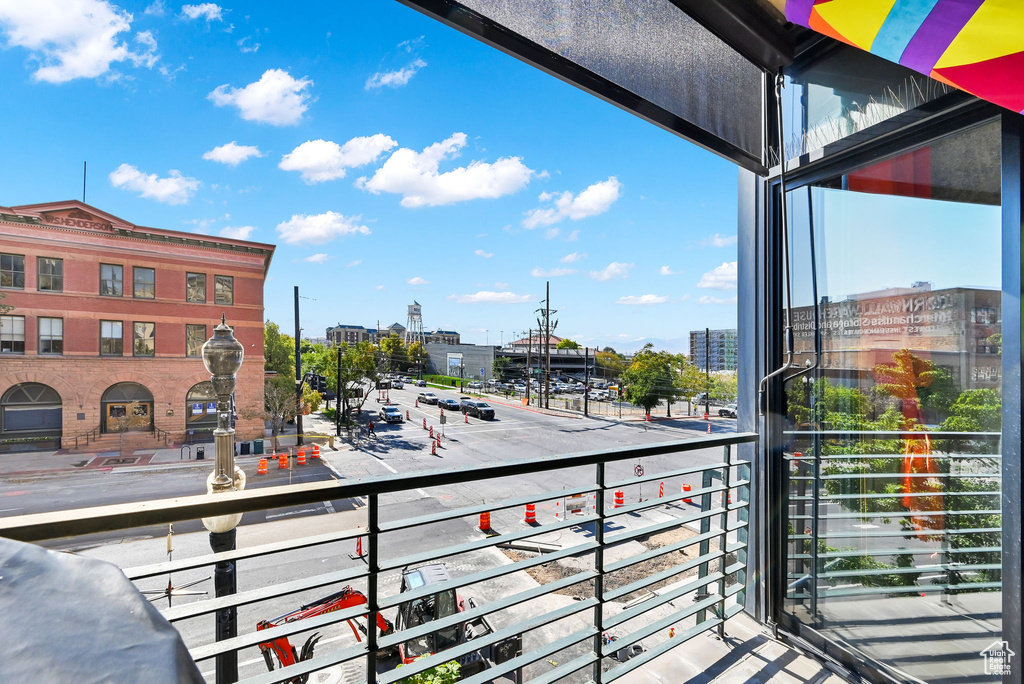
(285, 652)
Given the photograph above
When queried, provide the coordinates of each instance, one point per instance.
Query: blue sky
(389, 158)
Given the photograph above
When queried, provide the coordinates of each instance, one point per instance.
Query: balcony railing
(634, 591)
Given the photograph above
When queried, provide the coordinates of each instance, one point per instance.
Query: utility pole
(338, 395)
(529, 368)
(707, 371)
(298, 372)
(586, 381)
(547, 327)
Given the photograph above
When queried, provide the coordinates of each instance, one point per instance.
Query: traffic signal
(321, 384)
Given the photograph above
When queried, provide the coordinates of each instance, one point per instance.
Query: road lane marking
(7, 510)
(304, 510)
(388, 466)
(329, 506)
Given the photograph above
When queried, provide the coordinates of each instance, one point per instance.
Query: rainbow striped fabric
(973, 45)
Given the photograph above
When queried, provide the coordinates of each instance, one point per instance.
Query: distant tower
(414, 325)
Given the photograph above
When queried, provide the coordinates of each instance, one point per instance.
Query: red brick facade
(84, 238)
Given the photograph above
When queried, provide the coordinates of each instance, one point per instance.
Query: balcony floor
(746, 655)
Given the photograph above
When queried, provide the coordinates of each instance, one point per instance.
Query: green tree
(393, 352)
(690, 379)
(567, 344)
(724, 386)
(278, 351)
(904, 379)
(610, 363)
(977, 410)
(649, 379)
(501, 368)
(4, 308)
(417, 356)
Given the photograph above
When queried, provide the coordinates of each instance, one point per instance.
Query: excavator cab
(418, 611)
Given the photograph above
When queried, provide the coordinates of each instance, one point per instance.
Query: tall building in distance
(107, 324)
(411, 332)
(722, 346)
(414, 326)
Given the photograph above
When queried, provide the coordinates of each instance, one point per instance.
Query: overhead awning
(694, 67)
(974, 45)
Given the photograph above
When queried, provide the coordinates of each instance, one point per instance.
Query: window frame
(199, 351)
(188, 274)
(136, 338)
(216, 293)
(40, 275)
(136, 282)
(120, 293)
(13, 339)
(50, 337)
(13, 271)
(119, 339)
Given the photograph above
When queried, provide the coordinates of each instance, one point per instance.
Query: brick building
(107, 322)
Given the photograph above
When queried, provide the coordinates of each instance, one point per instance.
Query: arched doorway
(126, 407)
(201, 407)
(30, 409)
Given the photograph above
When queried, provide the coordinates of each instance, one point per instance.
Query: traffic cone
(709, 428)
(431, 432)
(417, 403)
(671, 632)
(531, 514)
(282, 461)
(558, 508)
(466, 417)
(359, 549)
(424, 423)
(316, 451)
(433, 448)
(485, 522)
(661, 490)
(687, 488)
(407, 414)
(262, 468)
(302, 457)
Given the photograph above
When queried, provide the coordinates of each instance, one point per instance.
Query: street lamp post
(222, 356)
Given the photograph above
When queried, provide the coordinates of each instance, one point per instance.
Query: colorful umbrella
(973, 45)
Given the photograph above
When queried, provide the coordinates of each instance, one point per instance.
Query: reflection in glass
(893, 440)
(195, 287)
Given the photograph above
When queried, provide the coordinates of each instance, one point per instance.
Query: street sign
(444, 419)
(639, 470)
(481, 371)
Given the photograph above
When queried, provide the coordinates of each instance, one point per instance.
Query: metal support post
(705, 546)
(226, 618)
(298, 372)
(338, 392)
(724, 540)
(599, 569)
(372, 603)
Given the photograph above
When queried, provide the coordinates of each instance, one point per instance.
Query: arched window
(127, 406)
(30, 409)
(201, 406)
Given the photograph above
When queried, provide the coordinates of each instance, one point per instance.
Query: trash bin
(200, 453)
(245, 448)
(257, 447)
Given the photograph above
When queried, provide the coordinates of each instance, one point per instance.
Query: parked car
(480, 409)
(397, 384)
(727, 411)
(476, 384)
(391, 414)
(450, 404)
(421, 383)
(428, 398)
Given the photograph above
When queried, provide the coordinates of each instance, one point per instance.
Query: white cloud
(552, 273)
(501, 286)
(717, 300)
(316, 229)
(642, 299)
(596, 199)
(415, 176)
(156, 9)
(380, 287)
(573, 236)
(245, 46)
(232, 153)
(482, 253)
(317, 258)
(665, 270)
(612, 271)
(324, 160)
(353, 264)
(237, 232)
(174, 189)
(573, 258)
(276, 99)
(717, 240)
(417, 281)
(72, 40)
(395, 79)
(551, 233)
(206, 10)
(488, 297)
(720, 278)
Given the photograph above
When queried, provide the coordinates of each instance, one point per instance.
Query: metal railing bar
(654, 553)
(482, 508)
(536, 654)
(734, 609)
(867, 475)
(891, 552)
(937, 567)
(690, 470)
(809, 458)
(892, 514)
(660, 625)
(491, 607)
(966, 586)
(911, 434)
(320, 662)
(894, 495)
(258, 637)
(492, 573)
(663, 575)
(662, 599)
(630, 535)
(735, 567)
(521, 627)
(144, 571)
(566, 669)
(898, 533)
(478, 544)
(59, 524)
(183, 612)
(662, 648)
(735, 546)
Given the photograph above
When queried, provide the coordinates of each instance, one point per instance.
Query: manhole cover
(120, 461)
